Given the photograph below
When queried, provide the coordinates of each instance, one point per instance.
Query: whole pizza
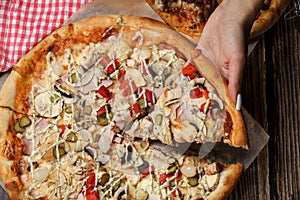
(190, 16)
(80, 114)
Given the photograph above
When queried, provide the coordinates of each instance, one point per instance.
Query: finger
(235, 75)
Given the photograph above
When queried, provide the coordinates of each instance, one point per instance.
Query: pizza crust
(264, 21)
(10, 179)
(228, 180)
(8, 91)
(267, 18)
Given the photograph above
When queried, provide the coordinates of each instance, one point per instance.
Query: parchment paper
(258, 138)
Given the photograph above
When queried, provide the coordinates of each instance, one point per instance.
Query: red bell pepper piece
(113, 66)
(62, 127)
(205, 94)
(90, 182)
(91, 194)
(149, 170)
(196, 93)
(121, 73)
(176, 191)
(188, 70)
(104, 92)
(163, 177)
(149, 96)
(101, 111)
(136, 108)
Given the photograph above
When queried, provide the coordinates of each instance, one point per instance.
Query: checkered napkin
(23, 23)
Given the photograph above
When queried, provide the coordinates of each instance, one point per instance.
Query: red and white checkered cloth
(23, 23)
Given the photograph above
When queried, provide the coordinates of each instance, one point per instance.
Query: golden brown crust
(267, 18)
(180, 24)
(8, 91)
(10, 148)
(264, 21)
(229, 176)
(228, 180)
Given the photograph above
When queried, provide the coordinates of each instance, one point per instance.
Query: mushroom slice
(212, 181)
(48, 104)
(64, 89)
(136, 76)
(161, 127)
(183, 131)
(40, 174)
(83, 78)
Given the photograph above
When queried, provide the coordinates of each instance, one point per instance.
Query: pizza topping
(193, 181)
(18, 128)
(212, 181)
(59, 151)
(197, 11)
(72, 137)
(48, 104)
(141, 194)
(25, 121)
(188, 170)
(64, 89)
(41, 174)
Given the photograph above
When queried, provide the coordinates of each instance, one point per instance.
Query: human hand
(224, 40)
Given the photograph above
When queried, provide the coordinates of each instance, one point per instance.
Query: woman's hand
(225, 39)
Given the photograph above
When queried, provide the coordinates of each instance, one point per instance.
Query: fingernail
(238, 105)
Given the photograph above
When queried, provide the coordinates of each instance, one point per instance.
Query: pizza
(189, 17)
(80, 113)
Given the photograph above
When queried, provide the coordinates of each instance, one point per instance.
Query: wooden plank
(285, 101)
(254, 183)
(271, 94)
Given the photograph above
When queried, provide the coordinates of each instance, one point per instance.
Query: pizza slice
(43, 158)
(154, 173)
(189, 17)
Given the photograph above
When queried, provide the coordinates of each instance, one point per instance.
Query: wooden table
(271, 94)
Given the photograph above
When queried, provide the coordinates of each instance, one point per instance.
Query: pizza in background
(79, 114)
(190, 16)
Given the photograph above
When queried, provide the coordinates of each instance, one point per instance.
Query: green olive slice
(18, 128)
(173, 167)
(141, 194)
(87, 109)
(59, 151)
(158, 119)
(74, 78)
(102, 169)
(69, 109)
(104, 179)
(102, 120)
(25, 121)
(142, 103)
(193, 181)
(72, 137)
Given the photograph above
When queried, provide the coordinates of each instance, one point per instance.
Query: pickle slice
(25, 121)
